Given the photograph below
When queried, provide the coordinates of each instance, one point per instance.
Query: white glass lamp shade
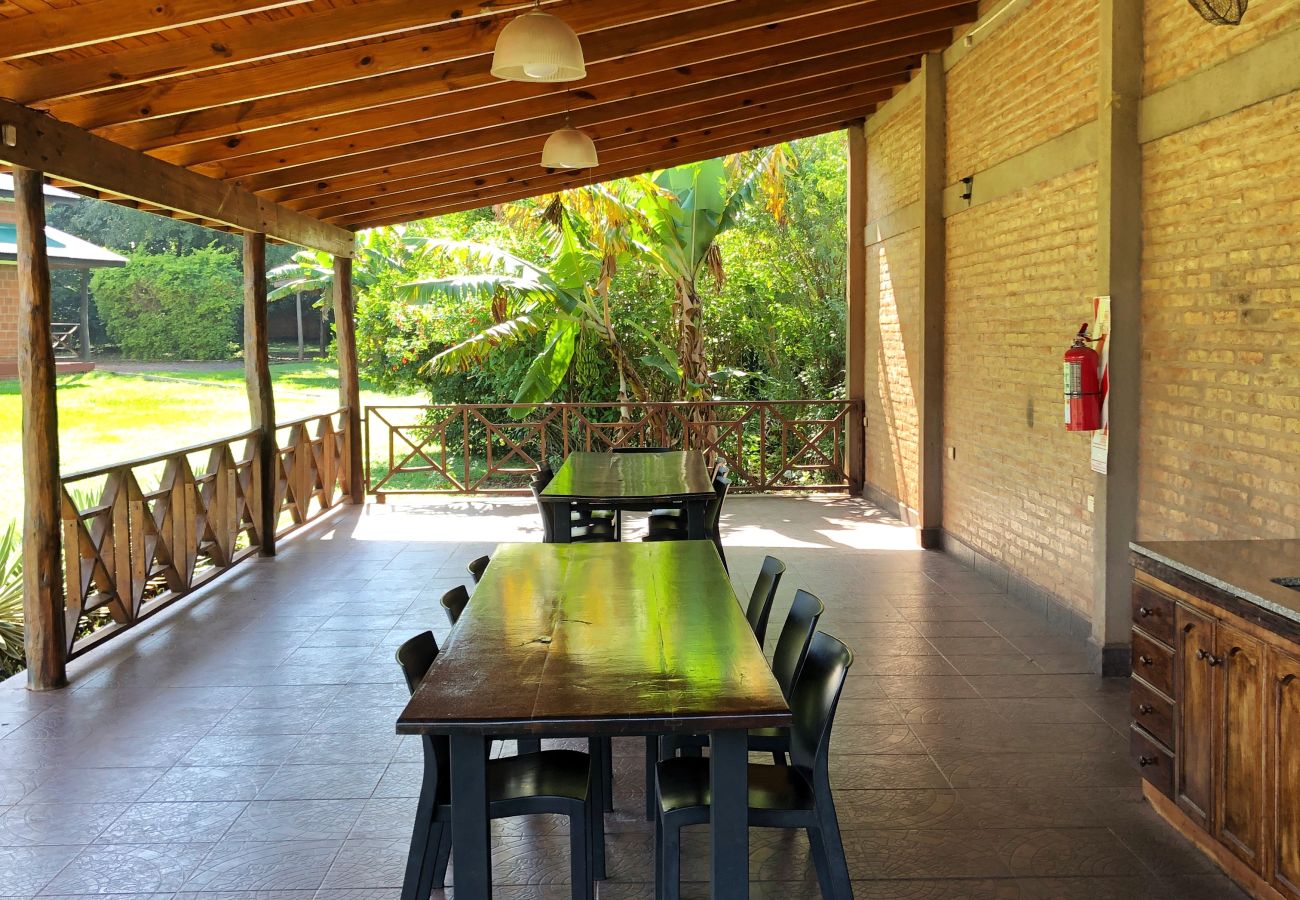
(538, 47)
(569, 148)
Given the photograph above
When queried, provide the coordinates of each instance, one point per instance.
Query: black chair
(557, 782)
(585, 526)
(454, 603)
(795, 796)
(674, 527)
(478, 567)
(760, 599)
(641, 449)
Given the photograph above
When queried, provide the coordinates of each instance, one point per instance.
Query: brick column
(930, 393)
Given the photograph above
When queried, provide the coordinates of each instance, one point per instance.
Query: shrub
(172, 307)
(11, 601)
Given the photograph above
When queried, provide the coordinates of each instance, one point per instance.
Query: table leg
(729, 780)
(471, 840)
(695, 529)
(561, 522)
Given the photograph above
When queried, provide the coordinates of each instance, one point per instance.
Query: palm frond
(474, 350)
(11, 596)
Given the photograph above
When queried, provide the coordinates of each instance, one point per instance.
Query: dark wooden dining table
(583, 640)
(630, 481)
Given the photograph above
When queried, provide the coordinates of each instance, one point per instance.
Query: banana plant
(11, 599)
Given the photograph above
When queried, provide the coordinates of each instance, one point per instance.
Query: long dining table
(585, 640)
(630, 481)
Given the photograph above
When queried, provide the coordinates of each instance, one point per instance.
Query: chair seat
(546, 773)
(684, 784)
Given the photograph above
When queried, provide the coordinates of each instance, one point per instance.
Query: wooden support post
(257, 373)
(855, 356)
(297, 303)
(85, 315)
(1119, 260)
(44, 627)
(933, 262)
(345, 331)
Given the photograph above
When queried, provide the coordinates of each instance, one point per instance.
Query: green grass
(106, 418)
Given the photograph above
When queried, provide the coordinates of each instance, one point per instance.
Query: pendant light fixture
(569, 148)
(538, 47)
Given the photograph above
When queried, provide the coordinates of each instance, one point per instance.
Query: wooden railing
(794, 445)
(66, 337)
(140, 535)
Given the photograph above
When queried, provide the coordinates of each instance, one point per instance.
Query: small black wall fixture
(968, 187)
(1221, 12)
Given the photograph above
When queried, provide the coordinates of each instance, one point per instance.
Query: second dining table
(585, 640)
(630, 481)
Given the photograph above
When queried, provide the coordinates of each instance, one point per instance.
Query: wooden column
(257, 373)
(85, 315)
(345, 332)
(930, 438)
(44, 633)
(855, 356)
(1119, 260)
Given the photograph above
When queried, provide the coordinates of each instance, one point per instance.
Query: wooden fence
(140, 535)
(67, 338)
(793, 445)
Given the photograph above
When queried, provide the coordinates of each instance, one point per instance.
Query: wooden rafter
(801, 39)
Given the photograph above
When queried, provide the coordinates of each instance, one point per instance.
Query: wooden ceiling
(368, 112)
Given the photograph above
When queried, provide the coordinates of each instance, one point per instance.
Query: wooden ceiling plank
(600, 108)
(716, 97)
(112, 20)
(64, 151)
(433, 207)
(326, 27)
(480, 164)
(657, 70)
(443, 46)
(240, 101)
(527, 171)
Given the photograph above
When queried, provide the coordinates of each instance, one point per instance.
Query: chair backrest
(641, 449)
(816, 694)
(796, 635)
(454, 602)
(478, 567)
(713, 510)
(537, 485)
(415, 656)
(760, 601)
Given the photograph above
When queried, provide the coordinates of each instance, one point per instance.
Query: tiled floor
(242, 746)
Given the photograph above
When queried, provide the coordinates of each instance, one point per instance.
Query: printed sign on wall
(1101, 331)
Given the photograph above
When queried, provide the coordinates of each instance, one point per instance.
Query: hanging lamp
(537, 46)
(569, 148)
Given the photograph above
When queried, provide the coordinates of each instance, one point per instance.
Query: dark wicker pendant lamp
(1221, 12)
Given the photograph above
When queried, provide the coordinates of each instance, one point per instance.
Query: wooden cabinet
(1282, 730)
(1216, 730)
(1194, 781)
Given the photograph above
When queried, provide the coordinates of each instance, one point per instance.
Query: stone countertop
(1242, 569)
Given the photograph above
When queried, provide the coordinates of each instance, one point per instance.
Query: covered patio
(240, 745)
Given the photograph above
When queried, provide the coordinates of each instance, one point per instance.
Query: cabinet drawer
(1154, 762)
(1153, 712)
(1153, 612)
(1153, 663)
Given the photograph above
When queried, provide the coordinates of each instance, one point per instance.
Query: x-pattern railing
(140, 535)
(487, 448)
(66, 337)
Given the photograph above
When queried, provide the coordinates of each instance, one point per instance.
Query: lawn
(105, 417)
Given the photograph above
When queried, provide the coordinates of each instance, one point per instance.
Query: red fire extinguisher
(1082, 384)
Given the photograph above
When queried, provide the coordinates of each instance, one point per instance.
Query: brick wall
(893, 285)
(1032, 79)
(1019, 276)
(1220, 407)
(8, 313)
(1179, 42)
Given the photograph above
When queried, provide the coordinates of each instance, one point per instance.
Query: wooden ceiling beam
(348, 80)
(67, 152)
(603, 106)
(647, 111)
(443, 23)
(433, 206)
(641, 152)
(479, 165)
(84, 24)
(640, 73)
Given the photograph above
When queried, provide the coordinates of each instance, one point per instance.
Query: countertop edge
(1232, 590)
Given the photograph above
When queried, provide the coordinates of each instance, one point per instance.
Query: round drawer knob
(1144, 612)
(1146, 660)
(1146, 709)
(1145, 761)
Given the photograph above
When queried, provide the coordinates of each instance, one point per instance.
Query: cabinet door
(1195, 689)
(1284, 739)
(1240, 771)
